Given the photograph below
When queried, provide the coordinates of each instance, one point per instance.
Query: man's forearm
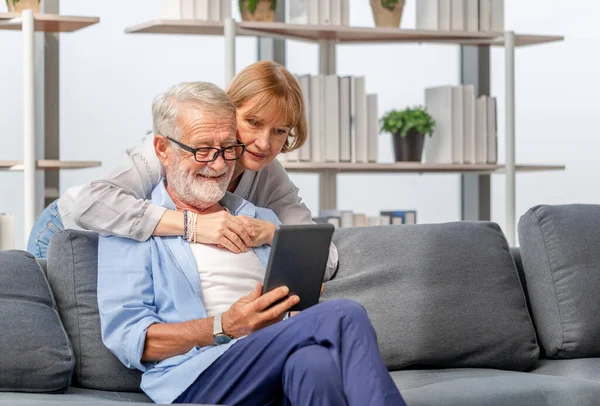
(165, 340)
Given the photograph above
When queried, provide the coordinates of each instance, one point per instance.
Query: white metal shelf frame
(29, 23)
(510, 178)
(28, 28)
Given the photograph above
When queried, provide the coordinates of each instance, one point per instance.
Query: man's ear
(161, 148)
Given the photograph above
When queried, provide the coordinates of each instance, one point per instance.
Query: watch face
(222, 339)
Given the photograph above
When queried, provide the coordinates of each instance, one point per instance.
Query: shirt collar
(235, 204)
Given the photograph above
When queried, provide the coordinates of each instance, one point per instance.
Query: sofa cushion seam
(562, 330)
(78, 357)
(515, 273)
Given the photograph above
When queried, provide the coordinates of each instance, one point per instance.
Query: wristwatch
(218, 334)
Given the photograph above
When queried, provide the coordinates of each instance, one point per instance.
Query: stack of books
(466, 130)
(323, 12)
(461, 15)
(206, 10)
(342, 119)
(347, 218)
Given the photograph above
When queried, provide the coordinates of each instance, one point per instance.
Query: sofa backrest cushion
(560, 249)
(73, 275)
(35, 352)
(438, 295)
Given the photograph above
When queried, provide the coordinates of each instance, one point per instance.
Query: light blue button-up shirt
(157, 281)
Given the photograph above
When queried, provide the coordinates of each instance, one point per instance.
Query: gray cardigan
(117, 204)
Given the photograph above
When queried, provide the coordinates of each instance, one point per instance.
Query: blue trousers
(47, 223)
(326, 355)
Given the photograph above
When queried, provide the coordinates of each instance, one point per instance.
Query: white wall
(108, 80)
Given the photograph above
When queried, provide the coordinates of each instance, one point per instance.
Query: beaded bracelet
(191, 227)
(195, 220)
(185, 225)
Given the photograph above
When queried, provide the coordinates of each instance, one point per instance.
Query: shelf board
(340, 34)
(49, 164)
(48, 22)
(189, 27)
(410, 167)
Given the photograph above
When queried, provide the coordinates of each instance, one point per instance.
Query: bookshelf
(28, 23)
(328, 37)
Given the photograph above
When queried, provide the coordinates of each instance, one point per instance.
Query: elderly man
(192, 317)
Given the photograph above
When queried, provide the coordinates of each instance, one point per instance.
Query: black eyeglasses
(209, 154)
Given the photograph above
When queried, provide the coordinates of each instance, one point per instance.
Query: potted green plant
(17, 6)
(387, 13)
(408, 128)
(258, 10)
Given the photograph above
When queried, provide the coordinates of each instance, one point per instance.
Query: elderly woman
(271, 119)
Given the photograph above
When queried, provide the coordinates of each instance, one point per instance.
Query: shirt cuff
(135, 349)
(145, 226)
(332, 262)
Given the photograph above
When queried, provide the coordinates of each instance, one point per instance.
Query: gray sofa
(461, 318)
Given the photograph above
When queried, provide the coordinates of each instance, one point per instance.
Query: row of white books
(323, 12)
(342, 120)
(347, 218)
(442, 15)
(466, 130)
(461, 15)
(206, 10)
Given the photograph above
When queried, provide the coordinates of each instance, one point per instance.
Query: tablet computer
(298, 260)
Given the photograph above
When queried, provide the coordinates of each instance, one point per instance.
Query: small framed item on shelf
(401, 216)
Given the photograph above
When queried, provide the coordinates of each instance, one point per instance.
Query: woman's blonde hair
(275, 89)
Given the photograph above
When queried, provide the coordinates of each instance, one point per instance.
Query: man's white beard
(197, 191)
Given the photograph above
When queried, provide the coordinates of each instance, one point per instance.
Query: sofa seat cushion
(439, 295)
(584, 368)
(479, 387)
(76, 396)
(561, 261)
(73, 275)
(35, 352)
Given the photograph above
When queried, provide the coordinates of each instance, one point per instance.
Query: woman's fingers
(238, 228)
(261, 231)
(227, 244)
(223, 229)
(237, 241)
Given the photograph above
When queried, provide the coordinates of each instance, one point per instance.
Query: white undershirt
(225, 276)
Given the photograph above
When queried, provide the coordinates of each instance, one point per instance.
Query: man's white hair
(206, 96)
